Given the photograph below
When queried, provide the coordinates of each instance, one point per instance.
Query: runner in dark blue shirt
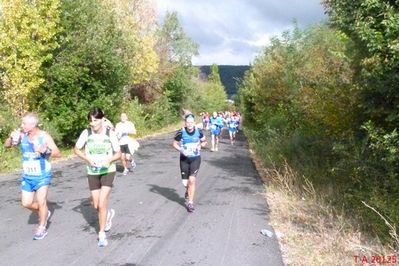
(188, 141)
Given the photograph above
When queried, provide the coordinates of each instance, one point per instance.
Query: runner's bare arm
(82, 155)
(115, 157)
(54, 151)
(7, 143)
(203, 142)
(176, 145)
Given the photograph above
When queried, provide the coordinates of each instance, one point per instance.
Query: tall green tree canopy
(174, 45)
(27, 30)
(374, 27)
(87, 69)
(214, 76)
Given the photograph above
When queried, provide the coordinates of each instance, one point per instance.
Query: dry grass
(312, 233)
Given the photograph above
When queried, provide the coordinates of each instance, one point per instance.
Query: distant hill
(228, 75)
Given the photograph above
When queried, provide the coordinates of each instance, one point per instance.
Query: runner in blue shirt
(188, 141)
(36, 147)
(216, 125)
(233, 125)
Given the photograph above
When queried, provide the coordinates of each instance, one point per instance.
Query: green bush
(86, 71)
(150, 117)
(301, 106)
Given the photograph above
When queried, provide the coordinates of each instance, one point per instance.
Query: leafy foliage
(136, 19)
(214, 76)
(87, 70)
(174, 45)
(373, 26)
(62, 57)
(27, 30)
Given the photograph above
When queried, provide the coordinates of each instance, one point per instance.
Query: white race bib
(99, 159)
(192, 149)
(32, 167)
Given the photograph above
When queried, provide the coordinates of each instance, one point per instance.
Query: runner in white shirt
(123, 130)
(98, 146)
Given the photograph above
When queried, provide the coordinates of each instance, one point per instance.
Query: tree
(373, 25)
(174, 46)
(27, 30)
(214, 76)
(175, 50)
(137, 22)
(87, 69)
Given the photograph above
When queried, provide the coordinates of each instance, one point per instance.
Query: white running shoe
(125, 171)
(102, 240)
(40, 233)
(110, 215)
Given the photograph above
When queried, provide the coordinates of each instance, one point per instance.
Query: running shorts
(189, 167)
(97, 181)
(125, 148)
(31, 185)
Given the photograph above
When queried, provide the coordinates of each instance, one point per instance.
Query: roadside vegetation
(320, 105)
(62, 57)
(321, 110)
(313, 232)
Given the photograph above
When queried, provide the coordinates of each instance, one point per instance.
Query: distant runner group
(101, 145)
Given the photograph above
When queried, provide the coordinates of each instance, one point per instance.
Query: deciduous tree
(27, 30)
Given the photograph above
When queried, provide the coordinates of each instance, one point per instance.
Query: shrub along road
(151, 225)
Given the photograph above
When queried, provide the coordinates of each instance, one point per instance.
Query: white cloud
(233, 31)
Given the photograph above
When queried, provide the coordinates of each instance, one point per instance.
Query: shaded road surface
(151, 225)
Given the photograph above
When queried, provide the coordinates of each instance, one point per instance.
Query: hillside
(229, 75)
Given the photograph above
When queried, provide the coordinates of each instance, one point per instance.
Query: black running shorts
(189, 166)
(125, 148)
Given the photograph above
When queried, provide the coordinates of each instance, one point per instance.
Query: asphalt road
(151, 225)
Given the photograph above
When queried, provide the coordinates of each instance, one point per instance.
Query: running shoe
(133, 164)
(190, 207)
(125, 171)
(102, 240)
(216, 149)
(110, 215)
(40, 233)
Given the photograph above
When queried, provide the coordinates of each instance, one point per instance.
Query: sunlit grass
(11, 158)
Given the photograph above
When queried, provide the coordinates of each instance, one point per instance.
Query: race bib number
(213, 127)
(192, 149)
(99, 159)
(232, 125)
(32, 167)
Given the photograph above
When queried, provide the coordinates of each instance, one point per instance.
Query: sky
(233, 32)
